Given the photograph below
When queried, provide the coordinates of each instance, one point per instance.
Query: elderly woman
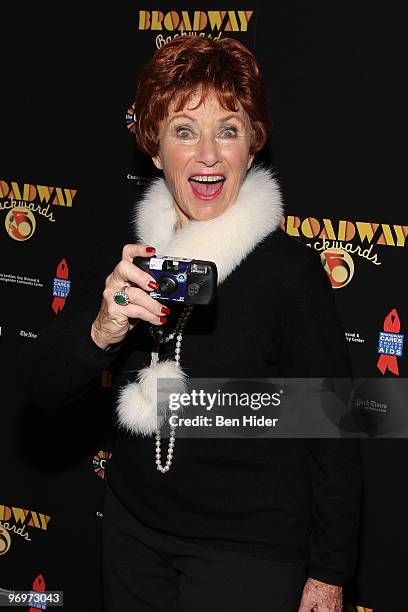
(194, 524)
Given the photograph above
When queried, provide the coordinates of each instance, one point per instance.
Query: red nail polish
(163, 320)
(150, 249)
(165, 310)
(152, 285)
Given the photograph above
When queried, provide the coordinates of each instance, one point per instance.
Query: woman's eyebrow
(232, 116)
(222, 120)
(181, 116)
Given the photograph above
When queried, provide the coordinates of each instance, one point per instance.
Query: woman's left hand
(321, 597)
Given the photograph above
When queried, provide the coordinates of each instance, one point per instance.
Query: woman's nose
(208, 151)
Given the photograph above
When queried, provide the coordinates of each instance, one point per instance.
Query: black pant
(146, 570)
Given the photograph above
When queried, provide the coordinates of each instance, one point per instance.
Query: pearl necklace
(159, 339)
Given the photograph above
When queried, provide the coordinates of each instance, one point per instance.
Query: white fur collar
(225, 240)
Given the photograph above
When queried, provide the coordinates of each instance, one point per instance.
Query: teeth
(207, 179)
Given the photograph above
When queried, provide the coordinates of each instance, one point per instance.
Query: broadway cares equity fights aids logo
(390, 344)
(171, 24)
(340, 241)
(23, 203)
(60, 287)
(13, 521)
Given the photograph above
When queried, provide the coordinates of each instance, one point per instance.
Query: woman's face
(204, 155)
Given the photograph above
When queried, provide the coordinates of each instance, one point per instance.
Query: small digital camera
(189, 281)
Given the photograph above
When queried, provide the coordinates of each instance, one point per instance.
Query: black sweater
(280, 499)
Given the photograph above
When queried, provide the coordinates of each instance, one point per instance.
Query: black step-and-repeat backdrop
(69, 177)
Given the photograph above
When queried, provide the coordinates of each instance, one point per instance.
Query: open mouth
(207, 186)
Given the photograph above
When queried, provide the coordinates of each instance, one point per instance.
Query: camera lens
(167, 284)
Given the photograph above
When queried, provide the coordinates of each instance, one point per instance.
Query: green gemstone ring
(121, 298)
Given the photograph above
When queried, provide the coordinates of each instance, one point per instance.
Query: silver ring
(121, 298)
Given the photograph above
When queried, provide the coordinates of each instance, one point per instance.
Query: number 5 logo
(20, 223)
(339, 267)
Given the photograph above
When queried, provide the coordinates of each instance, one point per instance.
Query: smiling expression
(204, 155)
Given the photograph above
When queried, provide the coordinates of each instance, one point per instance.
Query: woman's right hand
(113, 322)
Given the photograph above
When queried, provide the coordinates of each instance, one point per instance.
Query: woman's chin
(201, 209)
(206, 212)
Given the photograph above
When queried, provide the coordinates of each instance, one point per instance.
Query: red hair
(189, 64)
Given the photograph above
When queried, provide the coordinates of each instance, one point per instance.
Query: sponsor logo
(22, 202)
(340, 241)
(38, 587)
(390, 344)
(339, 266)
(371, 404)
(20, 280)
(141, 181)
(193, 23)
(5, 540)
(130, 123)
(99, 462)
(61, 286)
(354, 337)
(212, 24)
(14, 520)
(28, 334)
(20, 223)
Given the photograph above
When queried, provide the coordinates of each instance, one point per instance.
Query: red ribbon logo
(389, 362)
(58, 302)
(38, 587)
